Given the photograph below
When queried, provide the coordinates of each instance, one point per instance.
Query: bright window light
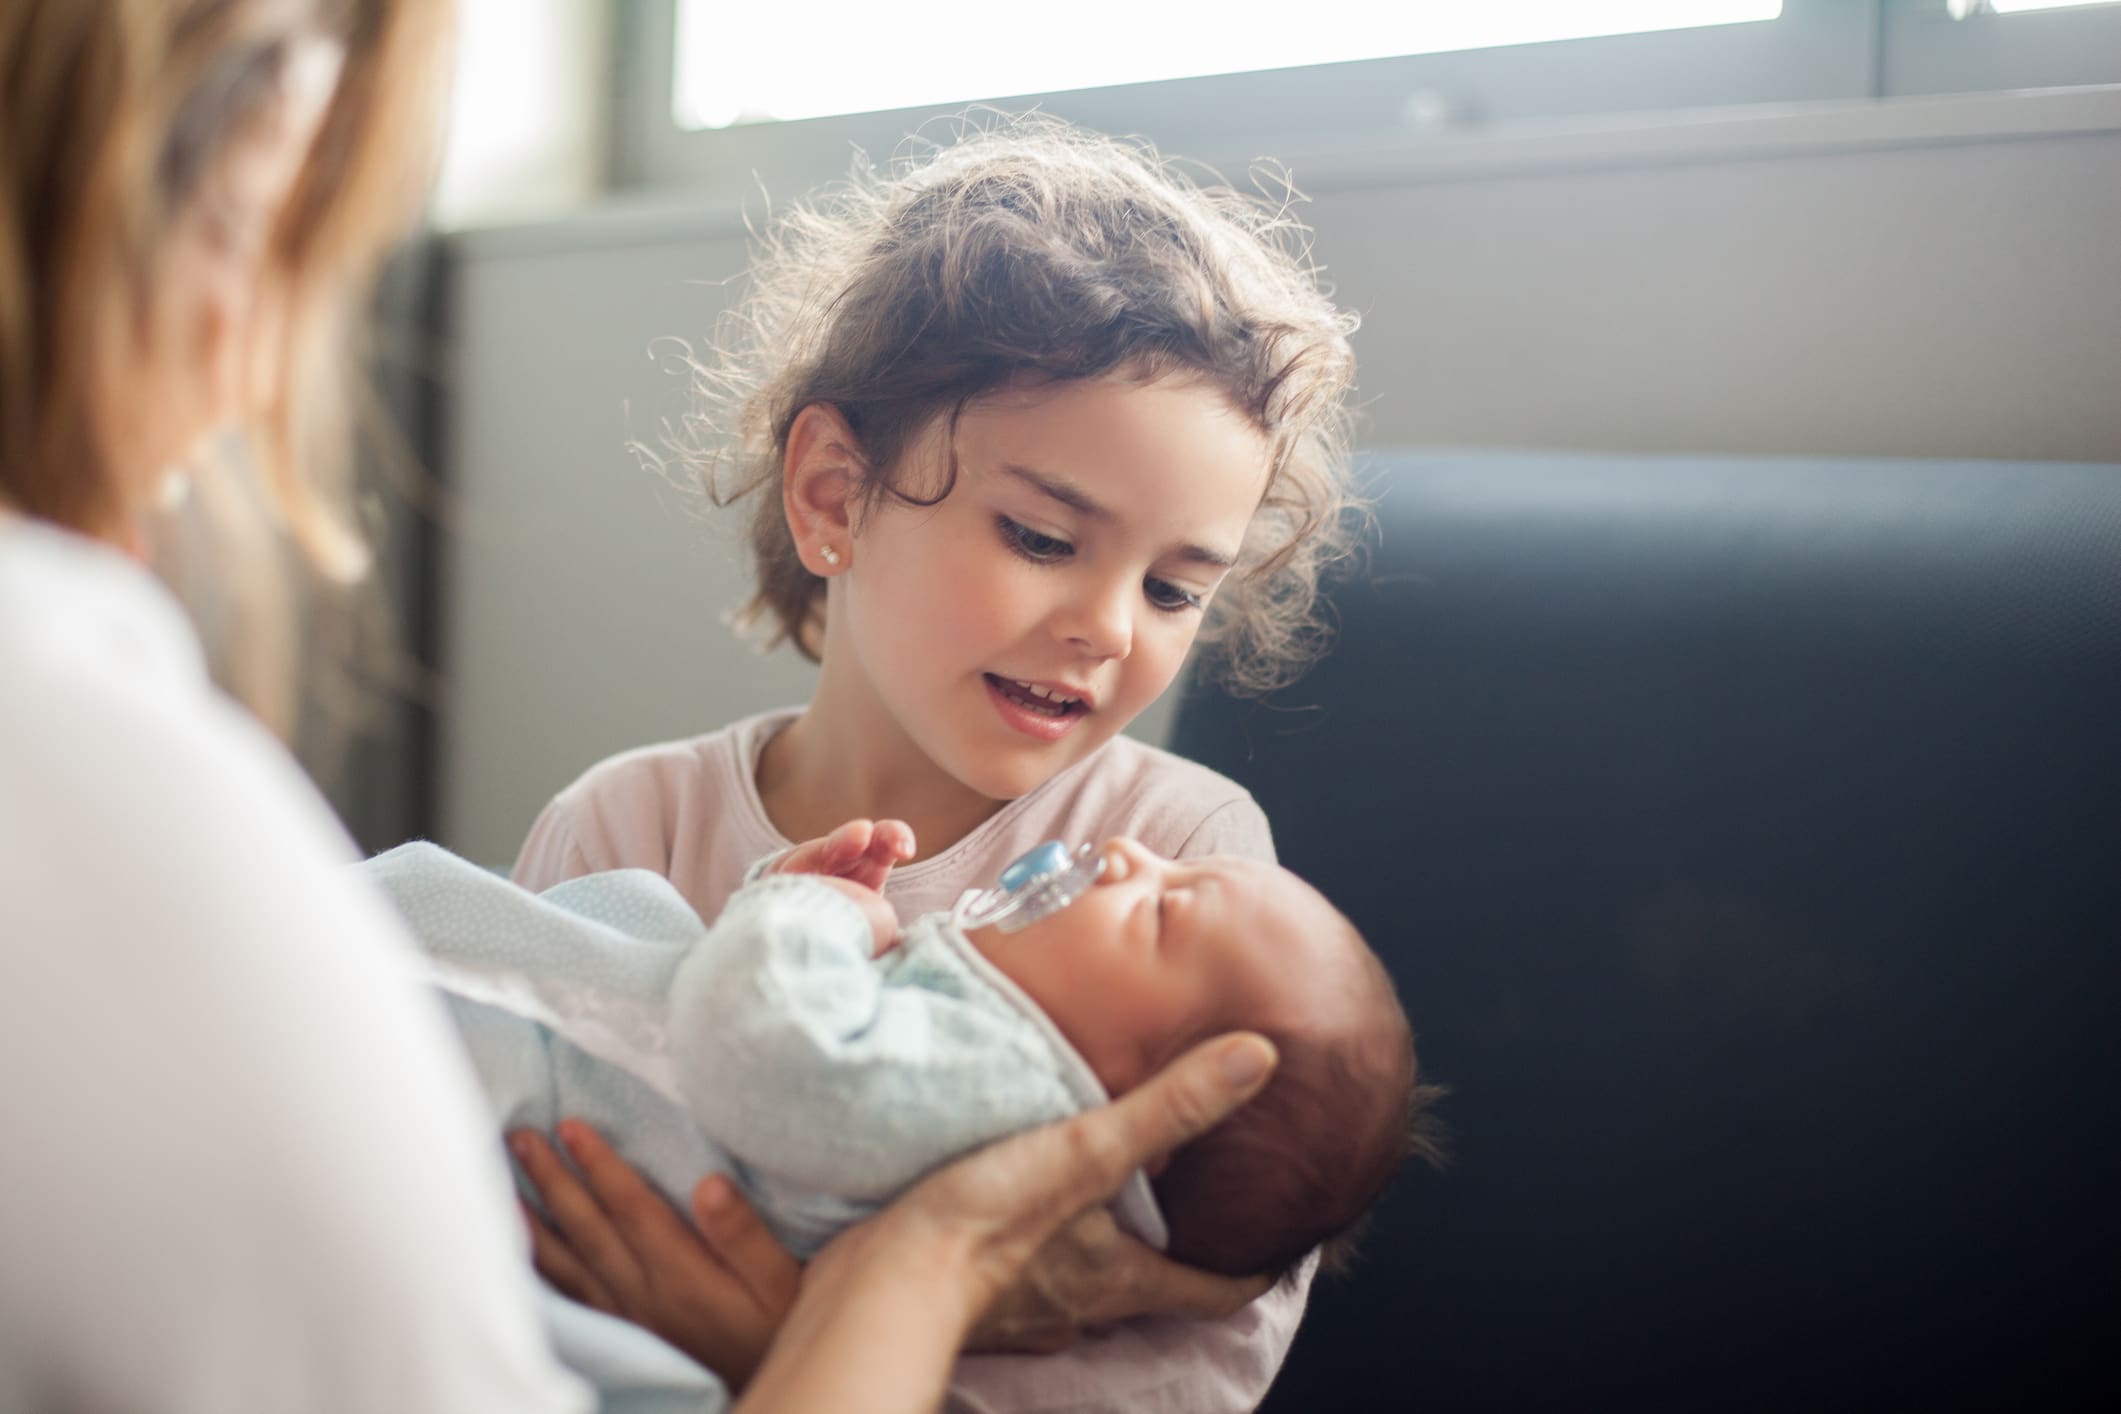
(747, 62)
(2012, 7)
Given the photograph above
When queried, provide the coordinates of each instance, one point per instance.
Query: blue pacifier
(1038, 884)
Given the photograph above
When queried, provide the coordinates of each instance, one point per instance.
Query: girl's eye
(1170, 598)
(1033, 545)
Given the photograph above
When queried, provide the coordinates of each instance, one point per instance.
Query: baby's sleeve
(795, 1053)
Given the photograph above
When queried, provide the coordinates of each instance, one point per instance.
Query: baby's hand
(861, 852)
(856, 859)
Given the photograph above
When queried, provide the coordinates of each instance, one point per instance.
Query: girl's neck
(835, 763)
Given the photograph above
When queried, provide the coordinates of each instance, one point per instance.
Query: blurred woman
(243, 1166)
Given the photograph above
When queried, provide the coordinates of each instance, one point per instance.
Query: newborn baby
(827, 1058)
(1157, 955)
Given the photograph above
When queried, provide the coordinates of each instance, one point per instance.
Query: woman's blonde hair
(1037, 251)
(116, 112)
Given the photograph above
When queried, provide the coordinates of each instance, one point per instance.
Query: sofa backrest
(1745, 839)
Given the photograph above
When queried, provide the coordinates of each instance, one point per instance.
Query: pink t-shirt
(690, 811)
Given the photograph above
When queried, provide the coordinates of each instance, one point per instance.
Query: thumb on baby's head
(1173, 1107)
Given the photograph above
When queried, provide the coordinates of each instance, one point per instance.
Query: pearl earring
(832, 556)
(173, 489)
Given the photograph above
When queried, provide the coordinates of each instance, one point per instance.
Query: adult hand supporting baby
(1091, 1274)
(886, 1306)
(718, 1290)
(1019, 1225)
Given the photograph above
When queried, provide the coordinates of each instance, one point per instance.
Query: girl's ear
(819, 476)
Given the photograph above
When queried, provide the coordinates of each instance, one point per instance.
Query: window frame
(1817, 50)
(1924, 51)
(1820, 53)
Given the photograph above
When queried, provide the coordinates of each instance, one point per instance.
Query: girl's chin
(1018, 770)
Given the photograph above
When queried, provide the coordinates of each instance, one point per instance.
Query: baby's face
(1157, 952)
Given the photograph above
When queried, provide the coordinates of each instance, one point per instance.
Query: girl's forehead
(1116, 446)
(1020, 399)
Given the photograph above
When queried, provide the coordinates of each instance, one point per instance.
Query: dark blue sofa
(1745, 839)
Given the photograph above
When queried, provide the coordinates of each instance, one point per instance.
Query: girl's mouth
(1040, 711)
(1048, 700)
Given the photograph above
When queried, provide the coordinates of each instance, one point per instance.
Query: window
(710, 92)
(1981, 46)
(1963, 8)
(739, 63)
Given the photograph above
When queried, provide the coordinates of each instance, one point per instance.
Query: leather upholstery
(1745, 839)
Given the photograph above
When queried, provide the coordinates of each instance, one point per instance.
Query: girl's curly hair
(1034, 250)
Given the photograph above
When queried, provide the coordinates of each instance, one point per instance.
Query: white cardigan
(243, 1165)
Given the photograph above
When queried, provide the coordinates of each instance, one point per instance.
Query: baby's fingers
(890, 844)
(895, 839)
(847, 846)
(833, 854)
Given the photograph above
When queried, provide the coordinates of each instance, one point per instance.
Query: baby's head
(1032, 256)
(1158, 955)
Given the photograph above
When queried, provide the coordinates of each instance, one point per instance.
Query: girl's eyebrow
(1060, 489)
(1075, 498)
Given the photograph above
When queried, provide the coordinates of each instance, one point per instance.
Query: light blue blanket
(770, 1046)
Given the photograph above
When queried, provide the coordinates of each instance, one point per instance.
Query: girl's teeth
(1046, 693)
(1048, 700)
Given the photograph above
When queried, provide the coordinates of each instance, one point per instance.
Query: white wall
(1919, 278)
(528, 108)
(1962, 299)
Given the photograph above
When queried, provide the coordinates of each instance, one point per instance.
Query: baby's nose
(1123, 856)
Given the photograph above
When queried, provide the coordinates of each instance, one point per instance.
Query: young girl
(1023, 424)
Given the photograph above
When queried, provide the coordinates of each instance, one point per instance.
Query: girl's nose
(1100, 624)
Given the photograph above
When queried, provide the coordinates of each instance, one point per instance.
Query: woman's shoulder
(116, 735)
(109, 710)
(73, 609)
(179, 904)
